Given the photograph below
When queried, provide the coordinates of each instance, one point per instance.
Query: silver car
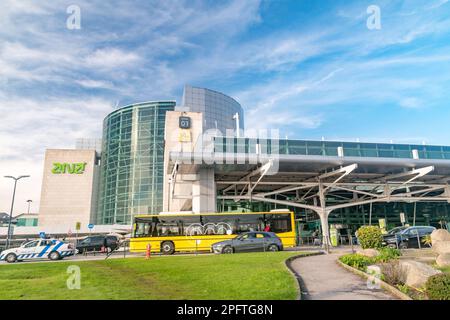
(249, 242)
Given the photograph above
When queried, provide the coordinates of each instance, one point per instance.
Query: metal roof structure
(320, 183)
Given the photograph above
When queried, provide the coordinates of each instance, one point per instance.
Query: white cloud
(31, 126)
(110, 58)
(95, 84)
(412, 103)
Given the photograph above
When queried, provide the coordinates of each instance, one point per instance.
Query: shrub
(357, 261)
(393, 273)
(427, 240)
(438, 287)
(370, 237)
(403, 288)
(387, 254)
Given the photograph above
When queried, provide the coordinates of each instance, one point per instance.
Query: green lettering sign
(71, 168)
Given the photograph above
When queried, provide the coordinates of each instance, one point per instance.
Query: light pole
(29, 205)
(12, 207)
(236, 117)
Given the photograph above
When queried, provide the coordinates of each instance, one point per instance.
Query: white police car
(39, 249)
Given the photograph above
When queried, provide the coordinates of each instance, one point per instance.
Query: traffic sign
(78, 226)
(90, 225)
(42, 235)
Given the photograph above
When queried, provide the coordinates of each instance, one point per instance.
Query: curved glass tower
(219, 110)
(131, 180)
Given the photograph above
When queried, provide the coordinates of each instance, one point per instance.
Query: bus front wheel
(167, 247)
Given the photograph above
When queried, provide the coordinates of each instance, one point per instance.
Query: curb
(394, 291)
(301, 290)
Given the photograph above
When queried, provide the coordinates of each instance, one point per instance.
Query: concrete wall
(194, 189)
(67, 198)
(204, 192)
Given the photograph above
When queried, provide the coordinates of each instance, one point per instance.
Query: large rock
(443, 260)
(417, 273)
(439, 235)
(368, 252)
(441, 247)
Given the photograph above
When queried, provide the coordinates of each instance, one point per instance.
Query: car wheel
(403, 245)
(227, 250)
(11, 257)
(167, 247)
(273, 248)
(54, 255)
(392, 246)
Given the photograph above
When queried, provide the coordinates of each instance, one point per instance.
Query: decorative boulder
(440, 235)
(368, 252)
(441, 247)
(417, 273)
(443, 260)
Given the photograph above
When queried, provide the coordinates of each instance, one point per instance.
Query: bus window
(168, 227)
(141, 229)
(248, 223)
(145, 227)
(219, 224)
(279, 222)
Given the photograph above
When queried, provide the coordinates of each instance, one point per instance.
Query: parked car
(249, 242)
(96, 243)
(408, 238)
(39, 249)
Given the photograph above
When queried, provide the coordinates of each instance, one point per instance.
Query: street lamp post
(236, 117)
(29, 205)
(8, 240)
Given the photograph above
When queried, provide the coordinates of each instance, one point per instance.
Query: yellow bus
(169, 233)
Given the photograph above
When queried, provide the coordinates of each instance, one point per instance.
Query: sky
(312, 69)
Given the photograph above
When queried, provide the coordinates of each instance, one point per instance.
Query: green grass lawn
(445, 269)
(237, 276)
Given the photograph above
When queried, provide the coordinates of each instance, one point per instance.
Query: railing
(124, 247)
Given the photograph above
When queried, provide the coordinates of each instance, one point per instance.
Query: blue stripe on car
(45, 250)
(57, 246)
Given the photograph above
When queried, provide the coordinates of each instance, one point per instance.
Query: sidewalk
(324, 279)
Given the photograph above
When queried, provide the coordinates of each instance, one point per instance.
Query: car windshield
(409, 230)
(396, 230)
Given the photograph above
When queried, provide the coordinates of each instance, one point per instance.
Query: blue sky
(310, 68)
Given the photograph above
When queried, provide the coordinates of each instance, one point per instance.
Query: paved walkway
(324, 279)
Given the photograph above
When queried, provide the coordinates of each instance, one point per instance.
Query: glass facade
(132, 162)
(421, 213)
(330, 148)
(27, 222)
(218, 109)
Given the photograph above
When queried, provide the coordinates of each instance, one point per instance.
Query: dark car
(95, 243)
(408, 237)
(249, 242)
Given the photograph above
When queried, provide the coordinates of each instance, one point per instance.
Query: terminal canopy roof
(320, 182)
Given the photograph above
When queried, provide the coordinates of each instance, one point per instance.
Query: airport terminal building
(159, 157)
